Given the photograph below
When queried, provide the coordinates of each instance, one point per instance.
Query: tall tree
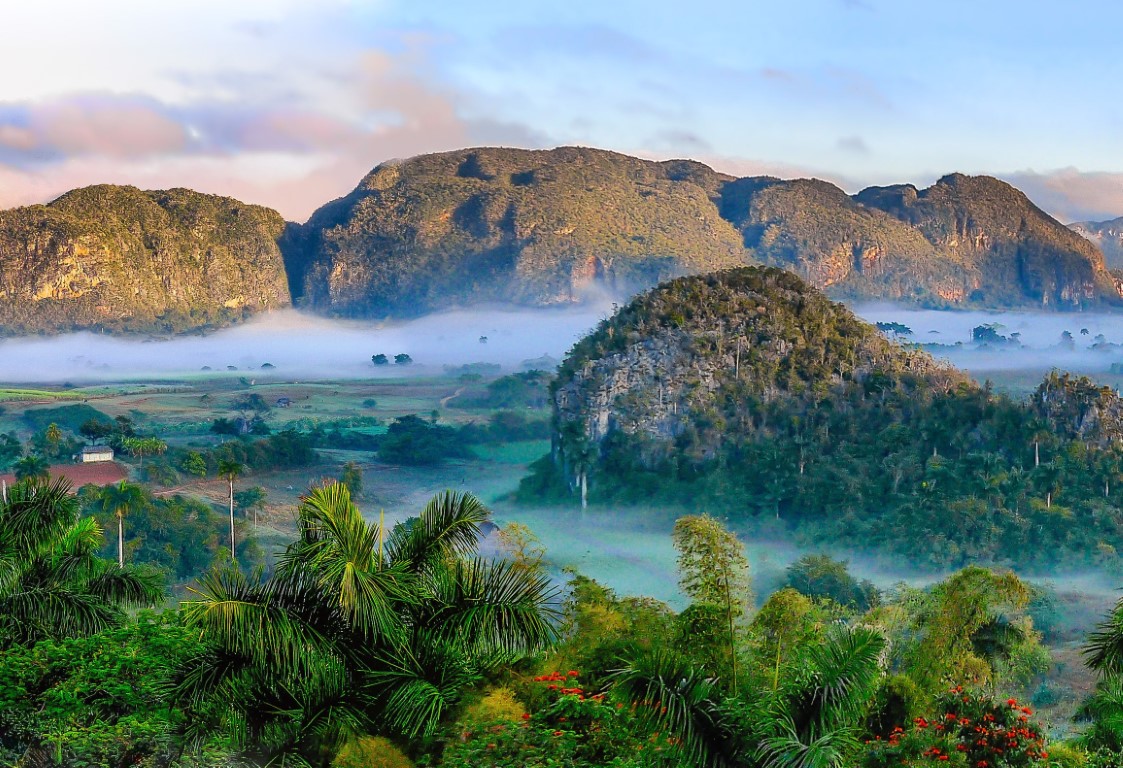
(345, 638)
(120, 500)
(713, 570)
(230, 469)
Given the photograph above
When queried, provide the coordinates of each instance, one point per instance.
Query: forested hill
(749, 393)
(121, 259)
(546, 227)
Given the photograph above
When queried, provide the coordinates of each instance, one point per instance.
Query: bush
(371, 752)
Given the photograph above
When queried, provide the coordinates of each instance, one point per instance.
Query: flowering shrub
(572, 729)
(970, 730)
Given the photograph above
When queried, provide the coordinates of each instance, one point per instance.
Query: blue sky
(288, 102)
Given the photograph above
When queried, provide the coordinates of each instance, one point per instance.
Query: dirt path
(444, 400)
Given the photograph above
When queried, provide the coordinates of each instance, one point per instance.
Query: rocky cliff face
(675, 371)
(1107, 236)
(547, 227)
(118, 258)
(1020, 254)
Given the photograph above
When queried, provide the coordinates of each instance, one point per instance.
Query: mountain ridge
(529, 227)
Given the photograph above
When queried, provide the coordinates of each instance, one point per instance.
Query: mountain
(120, 259)
(1107, 235)
(530, 227)
(549, 227)
(748, 393)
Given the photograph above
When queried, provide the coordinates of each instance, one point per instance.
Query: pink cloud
(1073, 195)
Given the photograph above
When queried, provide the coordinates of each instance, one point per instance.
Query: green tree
(120, 500)
(352, 477)
(54, 585)
(32, 466)
(98, 700)
(823, 576)
(194, 464)
(229, 470)
(349, 637)
(380, 359)
(714, 571)
(52, 436)
(251, 499)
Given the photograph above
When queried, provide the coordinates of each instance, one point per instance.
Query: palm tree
(32, 466)
(52, 583)
(230, 469)
(349, 636)
(120, 500)
(812, 720)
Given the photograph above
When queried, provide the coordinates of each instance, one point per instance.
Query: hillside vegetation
(749, 393)
(548, 227)
(121, 259)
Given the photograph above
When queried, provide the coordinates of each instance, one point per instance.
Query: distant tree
(194, 464)
(370, 402)
(120, 500)
(380, 359)
(52, 436)
(823, 576)
(402, 359)
(10, 450)
(32, 466)
(897, 329)
(524, 549)
(352, 477)
(221, 426)
(95, 430)
(250, 500)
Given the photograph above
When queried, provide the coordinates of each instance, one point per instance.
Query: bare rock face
(120, 259)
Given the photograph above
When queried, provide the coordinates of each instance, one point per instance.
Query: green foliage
(752, 396)
(352, 477)
(72, 417)
(98, 700)
(412, 440)
(371, 752)
(348, 636)
(128, 260)
(52, 583)
(822, 576)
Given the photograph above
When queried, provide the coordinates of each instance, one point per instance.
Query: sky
(288, 103)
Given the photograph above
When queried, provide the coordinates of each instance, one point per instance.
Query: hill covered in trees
(121, 259)
(749, 393)
(545, 227)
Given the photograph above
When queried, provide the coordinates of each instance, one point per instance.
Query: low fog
(1038, 346)
(301, 346)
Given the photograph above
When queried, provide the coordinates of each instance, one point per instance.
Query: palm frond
(256, 621)
(494, 608)
(783, 748)
(678, 699)
(341, 549)
(846, 673)
(1104, 649)
(449, 526)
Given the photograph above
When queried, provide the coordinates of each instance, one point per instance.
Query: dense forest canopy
(750, 394)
